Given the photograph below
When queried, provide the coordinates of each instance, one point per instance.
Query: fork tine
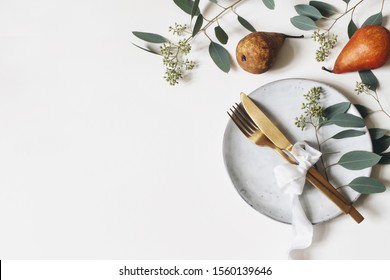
(247, 118)
(242, 120)
(239, 123)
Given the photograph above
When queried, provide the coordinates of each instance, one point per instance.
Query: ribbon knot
(291, 179)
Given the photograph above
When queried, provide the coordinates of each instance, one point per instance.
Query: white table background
(101, 159)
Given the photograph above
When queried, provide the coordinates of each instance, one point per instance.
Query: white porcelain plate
(250, 167)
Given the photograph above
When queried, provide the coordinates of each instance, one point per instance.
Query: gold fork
(255, 135)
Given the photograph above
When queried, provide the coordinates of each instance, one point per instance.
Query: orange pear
(368, 48)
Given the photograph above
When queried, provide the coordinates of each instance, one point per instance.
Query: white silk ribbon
(291, 179)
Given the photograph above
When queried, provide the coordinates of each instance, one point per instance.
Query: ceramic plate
(250, 167)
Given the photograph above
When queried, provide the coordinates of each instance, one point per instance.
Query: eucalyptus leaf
(303, 23)
(270, 4)
(348, 134)
(220, 56)
(186, 6)
(347, 1)
(376, 19)
(367, 185)
(325, 9)
(358, 160)
(385, 158)
(195, 8)
(246, 24)
(364, 111)
(368, 78)
(307, 10)
(377, 133)
(221, 35)
(147, 49)
(150, 37)
(337, 108)
(214, 1)
(352, 28)
(346, 120)
(198, 25)
(381, 144)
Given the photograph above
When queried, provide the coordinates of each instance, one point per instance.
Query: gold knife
(274, 134)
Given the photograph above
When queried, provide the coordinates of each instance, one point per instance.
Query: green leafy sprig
(316, 116)
(369, 85)
(175, 53)
(312, 16)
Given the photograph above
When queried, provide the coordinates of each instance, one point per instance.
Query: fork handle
(322, 184)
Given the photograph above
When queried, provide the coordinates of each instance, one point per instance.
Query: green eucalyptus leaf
(198, 25)
(220, 56)
(364, 111)
(214, 1)
(358, 160)
(381, 144)
(377, 133)
(348, 134)
(347, 1)
(147, 49)
(303, 23)
(186, 6)
(150, 37)
(367, 185)
(195, 8)
(221, 35)
(270, 4)
(246, 24)
(368, 78)
(376, 19)
(307, 10)
(352, 28)
(337, 108)
(346, 120)
(325, 9)
(385, 158)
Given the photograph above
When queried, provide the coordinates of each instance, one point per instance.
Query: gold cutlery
(248, 120)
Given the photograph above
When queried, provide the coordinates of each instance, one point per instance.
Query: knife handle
(330, 191)
(322, 184)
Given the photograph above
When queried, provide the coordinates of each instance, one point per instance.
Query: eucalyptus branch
(365, 88)
(313, 115)
(345, 13)
(174, 53)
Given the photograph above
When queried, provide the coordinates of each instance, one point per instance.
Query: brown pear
(368, 48)
(256, 52)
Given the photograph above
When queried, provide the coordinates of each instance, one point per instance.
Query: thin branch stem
(346, 12)
(376, 97)
(316, 128)
(218, 16)
(334, 164)
(323, 142)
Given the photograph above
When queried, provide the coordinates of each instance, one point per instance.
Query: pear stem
(326, 69)
(294, 37)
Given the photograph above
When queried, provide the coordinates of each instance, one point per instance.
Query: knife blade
(265, 124)
(276, 136)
